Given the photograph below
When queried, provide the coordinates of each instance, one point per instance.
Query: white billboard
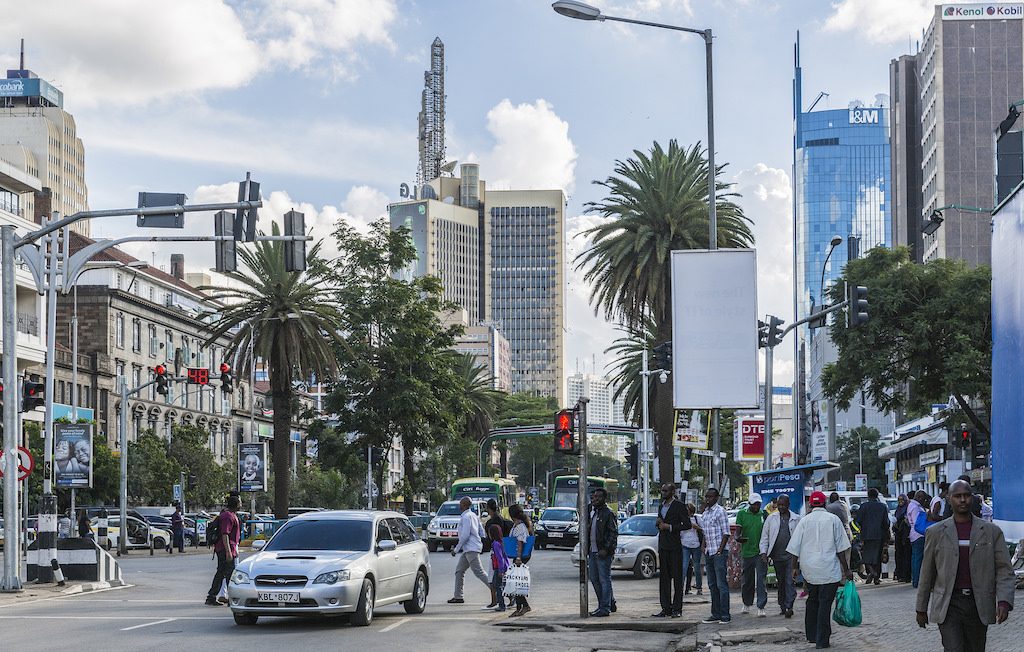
(714, 329)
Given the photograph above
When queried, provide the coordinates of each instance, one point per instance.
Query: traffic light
(857, 306)
(966, 436)
(246, 218)
(295, 250)
(376, 454)
(632, 456)
(160, 372)
(33, 395)
(774, 331)
(191, 481)
(225, 378)
(762, 334)
(565, 432)
(663, 356)
(226, 250)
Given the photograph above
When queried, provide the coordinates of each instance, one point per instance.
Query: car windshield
(558, 515)
(449, 509)
(638, 526)
(327, 534)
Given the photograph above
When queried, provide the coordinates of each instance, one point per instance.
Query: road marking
(394, 625)
(157, 622)
(109, 618)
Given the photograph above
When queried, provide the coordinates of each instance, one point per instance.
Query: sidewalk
(36, 592)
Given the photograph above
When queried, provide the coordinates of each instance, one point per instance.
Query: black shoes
(677, 614)
(615, 607)
(600, 613)
(662, 614)
(456, 601)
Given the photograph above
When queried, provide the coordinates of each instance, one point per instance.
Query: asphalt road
(164, 610)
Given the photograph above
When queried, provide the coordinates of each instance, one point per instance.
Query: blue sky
(318, 98)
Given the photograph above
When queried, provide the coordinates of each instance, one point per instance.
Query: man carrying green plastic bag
(847, 611)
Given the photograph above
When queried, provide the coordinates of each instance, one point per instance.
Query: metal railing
(28, 324)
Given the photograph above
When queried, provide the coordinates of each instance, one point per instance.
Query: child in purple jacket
(499, 564)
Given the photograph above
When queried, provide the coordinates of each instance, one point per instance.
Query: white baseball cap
(754, 498)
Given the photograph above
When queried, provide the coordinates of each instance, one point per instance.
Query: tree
(151, 473)
(849, 448)
(189, 452)
(286, 319)
(656, 203)
(481, 400)
(400, 377)
(929, 335)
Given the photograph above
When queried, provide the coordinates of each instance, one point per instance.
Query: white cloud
(880, 21)
(587, 335)
(767, 200)
(131, 53)
(532, 148)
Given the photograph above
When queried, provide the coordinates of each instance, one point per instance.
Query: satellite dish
(449, 167)
(449, 200)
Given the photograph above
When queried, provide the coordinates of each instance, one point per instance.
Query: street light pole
(11, 415)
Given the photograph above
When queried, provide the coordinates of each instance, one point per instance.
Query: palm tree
(480, 400)
(287, 320)
(656, 202)
(627, 364)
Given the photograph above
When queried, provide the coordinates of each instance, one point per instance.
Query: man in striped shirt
(716, 538)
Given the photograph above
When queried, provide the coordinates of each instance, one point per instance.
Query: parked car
(443, 529)
(637, 548)
(558, 526)
(140, 533)
(333, 562)
(164, 523)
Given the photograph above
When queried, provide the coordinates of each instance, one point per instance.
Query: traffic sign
(177, 492)
(860, 481)
(26, 463)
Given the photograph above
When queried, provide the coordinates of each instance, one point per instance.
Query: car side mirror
(386, 545)
(258, 544)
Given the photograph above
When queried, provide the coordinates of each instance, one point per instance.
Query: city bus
(503, 490)
(566, 490)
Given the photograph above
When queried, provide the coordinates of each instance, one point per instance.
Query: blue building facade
(841, 187)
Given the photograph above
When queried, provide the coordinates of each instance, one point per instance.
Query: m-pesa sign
(748, 439)
(983, 12)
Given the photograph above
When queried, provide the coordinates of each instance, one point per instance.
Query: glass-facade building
(841, 187)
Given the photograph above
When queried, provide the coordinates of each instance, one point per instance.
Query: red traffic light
(224, 368)
(565, 437)
(564, 422)
(160, 370)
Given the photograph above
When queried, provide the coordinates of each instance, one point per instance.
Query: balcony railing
(28, 324)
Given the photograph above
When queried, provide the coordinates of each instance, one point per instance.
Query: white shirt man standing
(470, 545)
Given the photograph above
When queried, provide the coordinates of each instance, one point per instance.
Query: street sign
(860, 482)
(685, 436)
(26, 463)
(177, 492)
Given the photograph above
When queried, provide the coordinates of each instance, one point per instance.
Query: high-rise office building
(38, 136)
(969, 70)
(841, 175)
(905, 152)
(431, 118)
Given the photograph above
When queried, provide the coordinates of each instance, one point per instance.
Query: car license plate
(555, 535)
(277, 596)
(449, 534)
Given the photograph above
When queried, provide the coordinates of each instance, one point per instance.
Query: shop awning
(934, 435)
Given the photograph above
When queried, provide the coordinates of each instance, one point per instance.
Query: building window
(154, 344)
(119, 331)
(118, 280)
(169, 346)
(136, 335)
(136, 376)
(120, 374)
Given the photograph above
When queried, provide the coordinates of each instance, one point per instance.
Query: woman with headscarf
(901, 534)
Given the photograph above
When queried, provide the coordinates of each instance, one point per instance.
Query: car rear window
(327, 534)
(642, 526)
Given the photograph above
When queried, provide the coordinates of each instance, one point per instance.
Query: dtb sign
(748, 442)
(863, 116)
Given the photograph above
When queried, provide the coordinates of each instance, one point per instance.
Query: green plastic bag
(847, 611)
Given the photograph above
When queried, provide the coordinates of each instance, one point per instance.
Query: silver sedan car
(327, 563)
(637, 548)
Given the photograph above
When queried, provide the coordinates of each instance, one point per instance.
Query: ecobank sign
(983, 12)
(863, 116)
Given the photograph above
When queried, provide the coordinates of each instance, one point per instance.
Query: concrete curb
(88, 587)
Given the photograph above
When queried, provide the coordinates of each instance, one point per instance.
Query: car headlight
(432, 526)
(621, 550)
(332, 577)
(574, 529)
(239, 577)
(540, 527)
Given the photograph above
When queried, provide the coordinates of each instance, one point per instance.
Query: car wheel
(364, 608)
(159, 543)
(542, 546)
(448, 547)
(245, 619)
(418, 602)
(645, 566)
(432, 546)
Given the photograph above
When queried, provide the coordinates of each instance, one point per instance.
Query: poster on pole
(748, 439)
(714, 329)
(252, 466)
(687, 432)
(72, 455)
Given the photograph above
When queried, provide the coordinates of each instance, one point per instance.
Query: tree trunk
(410, 473)
(281, 395)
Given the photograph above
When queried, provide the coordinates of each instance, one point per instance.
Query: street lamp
(836, 241)
(935, 219)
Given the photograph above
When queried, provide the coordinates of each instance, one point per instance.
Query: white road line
(158, 622)
(394, 625)
(109, 618)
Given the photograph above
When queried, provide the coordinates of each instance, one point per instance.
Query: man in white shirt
(817, 546)
(470, 545)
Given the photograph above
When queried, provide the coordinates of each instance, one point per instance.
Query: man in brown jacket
(966, 580)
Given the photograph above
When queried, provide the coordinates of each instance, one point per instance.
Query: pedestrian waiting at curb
(715, 522)
(818, 545)
(604, 534)
(522, 530)
(693, 543)
(755, 567)
(966, 581)
(225, 548)
(673, 519)
(84, 525)
(470, 546)
(775, 538)
(499, 564)
(901, 540)
(177, 530)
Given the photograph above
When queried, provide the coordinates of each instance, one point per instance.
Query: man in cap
(817, 547)
(755, 568)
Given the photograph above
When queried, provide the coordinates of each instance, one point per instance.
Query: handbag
(512, 547)
(847, 612)
(921, 523)
(517, 581)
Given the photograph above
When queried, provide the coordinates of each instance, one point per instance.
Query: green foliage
(656, 203)
(155, 466)
(151, 473)
(848, 450)
(929, 335)
(316, 486)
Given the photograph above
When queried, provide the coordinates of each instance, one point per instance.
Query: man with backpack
(224, 531)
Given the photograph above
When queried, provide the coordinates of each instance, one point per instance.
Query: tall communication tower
(431, 118)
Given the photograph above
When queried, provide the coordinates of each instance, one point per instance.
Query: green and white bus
(566, 490)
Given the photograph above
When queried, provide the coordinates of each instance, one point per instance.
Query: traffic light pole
(122, 547)
(645, 423)
(11, 416)
(581, 505)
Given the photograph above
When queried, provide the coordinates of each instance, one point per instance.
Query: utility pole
(11, 413)
(645, 426)
(581, 505)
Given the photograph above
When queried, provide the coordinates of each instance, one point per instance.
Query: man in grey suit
(966, 580)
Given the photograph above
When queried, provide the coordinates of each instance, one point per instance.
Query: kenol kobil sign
(983, 12)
